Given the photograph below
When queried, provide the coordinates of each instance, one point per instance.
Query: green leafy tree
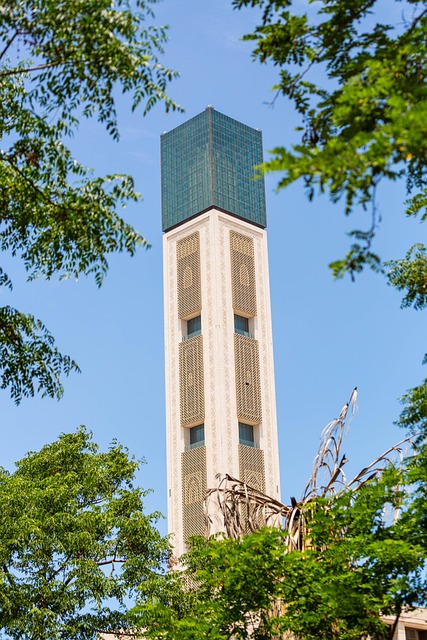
(359, 85)
(60, 62)
(347, 553)
(357, 564)
(75, 542)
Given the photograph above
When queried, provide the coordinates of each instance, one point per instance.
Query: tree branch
(30, 182)
(110, 561)
(17, 33)
(101, 563)
(8, 575)
(61, 568)
(39, 67)
(394, 627)
(416, 21)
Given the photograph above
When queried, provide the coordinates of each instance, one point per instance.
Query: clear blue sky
(328, 336)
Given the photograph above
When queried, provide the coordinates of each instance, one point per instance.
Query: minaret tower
(220, 395)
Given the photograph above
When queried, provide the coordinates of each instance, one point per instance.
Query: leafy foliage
(60, 62)
(356, 564)
(411, 274)
(414, 415)
(28, 353)
(339, 559)
(359, 85)
(366, 121)
(75, 540)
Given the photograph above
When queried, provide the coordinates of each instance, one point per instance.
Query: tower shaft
(220, 396)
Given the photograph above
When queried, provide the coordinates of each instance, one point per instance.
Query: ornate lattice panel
(248, 387)
(252, 473)
(251, 467)
(243, 273)
(188, 267)
(193, 491)
(192, 402)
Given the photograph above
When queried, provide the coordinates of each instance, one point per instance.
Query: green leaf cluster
(75, 543)
(358, 564)
(60, 62)
(29, 356)
(359, 85)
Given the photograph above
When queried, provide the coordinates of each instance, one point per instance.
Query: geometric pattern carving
(192, 401)
(188, 267)
(251, 467)
(252, 473)
(248, 387)
(243, 273)
(193, 464)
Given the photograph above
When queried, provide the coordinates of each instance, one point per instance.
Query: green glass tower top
(209, 161)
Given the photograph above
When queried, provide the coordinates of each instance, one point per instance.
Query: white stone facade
(219, 371)
(412, 625)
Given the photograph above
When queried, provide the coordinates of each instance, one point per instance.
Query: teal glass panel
(194, 327)
(209, 161)
(246, 435)
(197, 436)
(241, 325)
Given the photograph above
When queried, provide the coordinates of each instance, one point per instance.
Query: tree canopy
(358, 83)
(349, 551)
(357, 564)
(75, 541)
(60, 62)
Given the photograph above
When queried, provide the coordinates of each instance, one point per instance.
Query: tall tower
(220, 395)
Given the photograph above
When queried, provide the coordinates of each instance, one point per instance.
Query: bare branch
(15, 35)
(40, 67)
(111, 561)
(244, 508)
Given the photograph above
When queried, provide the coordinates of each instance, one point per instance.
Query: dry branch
(243, 509)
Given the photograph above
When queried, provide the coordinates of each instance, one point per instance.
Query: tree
(58, 63)
(355, 567)
(349, 551)
(75, 541)
(359, 86)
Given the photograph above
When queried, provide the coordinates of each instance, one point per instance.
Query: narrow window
(246, 434)
(197, 436)
(241, 325)
(194, 327)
